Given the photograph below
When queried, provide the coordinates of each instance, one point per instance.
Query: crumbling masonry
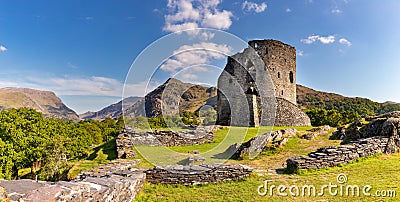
(258, 87)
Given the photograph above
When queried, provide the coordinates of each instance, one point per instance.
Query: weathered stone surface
(378, 135)
(129, 137)
(115, 185)
(257, 144)
(314, 132)
(251, 81)
(288, 114)
(196, 174)
(333, 156)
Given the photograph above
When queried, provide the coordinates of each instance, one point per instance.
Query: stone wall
(196, 174)
(120, 185)
(280, 60)
(372, 136)
(288, 114)
(333, 156)
(129, 137)
(251, 81)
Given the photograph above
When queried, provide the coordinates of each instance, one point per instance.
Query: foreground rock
(365, 137)
(196, 174)
(120, 184)
(258, 144)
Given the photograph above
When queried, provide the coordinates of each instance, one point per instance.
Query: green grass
(100, 155)
(369, 171)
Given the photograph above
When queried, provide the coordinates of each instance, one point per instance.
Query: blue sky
(83, 50)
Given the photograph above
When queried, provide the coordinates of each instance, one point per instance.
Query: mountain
(112, 111)
(174, 96)
(308, 98)
(43, 101)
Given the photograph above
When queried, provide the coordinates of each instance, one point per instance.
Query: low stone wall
(128, 138)
(196, 174)
(119, 185)
(333, 156)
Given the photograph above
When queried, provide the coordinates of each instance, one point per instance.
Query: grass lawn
(381, 172)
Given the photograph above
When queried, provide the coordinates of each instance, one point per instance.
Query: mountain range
(43, 101)
(179, 97)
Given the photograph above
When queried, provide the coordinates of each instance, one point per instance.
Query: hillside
(45, 102)
(112, 111)
(175, 96)
(308, 98)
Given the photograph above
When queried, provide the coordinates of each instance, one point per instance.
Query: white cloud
(3, 48)
(196, 54)
(313, 38)
(336, 11)
(190, 14)
(251, 6)
(88, 86)
(288, 10)
(300, 53)
(344, 41)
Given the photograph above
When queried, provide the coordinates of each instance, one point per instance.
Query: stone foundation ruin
(129, 137)
(364, 137)
(196, 174)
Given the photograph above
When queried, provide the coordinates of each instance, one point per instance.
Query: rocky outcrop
(367, 137)
(171, 98)
(119, 184)
(315, 132)
(257, 144)
(197, 174)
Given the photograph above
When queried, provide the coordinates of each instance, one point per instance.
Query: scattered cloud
(88, 86)
(288, 10)
(196, 54)
(344, 41)
(89, 18)
(323, 39)
(191, 14)
(251, 6)
(72, 66)
(336, 11)
(3, 48)
(300, 53)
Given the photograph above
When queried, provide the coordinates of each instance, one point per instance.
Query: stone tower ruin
(258, 87)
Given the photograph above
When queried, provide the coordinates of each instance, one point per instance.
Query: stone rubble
(116, 182)
(367, 137)
(315, 132)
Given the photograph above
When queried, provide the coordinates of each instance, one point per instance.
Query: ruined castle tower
(258, 87)
(280, 60)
